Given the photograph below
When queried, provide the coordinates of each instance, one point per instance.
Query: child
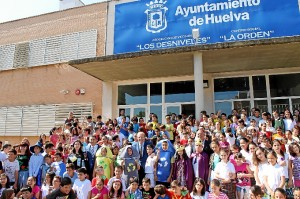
(59, 167)
(297, 193)
(99, 191)
(165, 162)
(45, 167)
(256, 192)
(183, 169)
(133, 192)
(178, 191)
(64, 191)
(225, 172)
(82, 186)
(103, 158)
(11, 168)
(26, 192)
(118, 174)
(130, 162)
(4, 183)
(47, 184)
(274, 175)
(116, 190)
(35, 189)
(160, 192)
(216, 190)
(70, 173)
(243, 176)
(150, 166)
(199, 189)
(99, 175)
(147, 192)
(294, 165)
(280, 193)
(36, 160)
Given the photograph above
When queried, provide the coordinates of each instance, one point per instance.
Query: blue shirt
(135, 195)
(124, 132)
(75, 176)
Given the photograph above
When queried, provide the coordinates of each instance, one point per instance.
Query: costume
(183, 172)
(200, 163)
(104, 161)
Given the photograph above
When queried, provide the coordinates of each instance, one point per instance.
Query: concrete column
(199, 91)
(107, 99)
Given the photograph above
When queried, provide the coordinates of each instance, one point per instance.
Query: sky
(17, 9)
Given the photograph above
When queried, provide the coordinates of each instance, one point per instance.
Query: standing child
(71, 173)
(294, 165)
(147, 191)
(150, 166)
(183, 169)
(225, 172)
(45, 167)
(99, 175)
(199, 189)
(99, 191)
(165, 162)
(47, 184)
(130, 162)
(274, 175)
(116, 190)
(11, 168)
(82, 186)
(59, 167)
(36, 160)
(243, 177)
(118, 176)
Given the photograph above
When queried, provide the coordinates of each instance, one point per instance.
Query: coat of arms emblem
(156, 16)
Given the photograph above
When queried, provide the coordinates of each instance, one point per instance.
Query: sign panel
(158, 24)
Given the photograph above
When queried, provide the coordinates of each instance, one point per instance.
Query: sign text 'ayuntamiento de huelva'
(158, 24)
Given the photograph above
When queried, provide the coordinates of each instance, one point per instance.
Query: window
(285, 85)
(132, 94)
(259, 86)
(183, 91)
(231, 88)
(155, 93)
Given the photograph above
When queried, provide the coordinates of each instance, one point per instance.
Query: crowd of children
(243, 156)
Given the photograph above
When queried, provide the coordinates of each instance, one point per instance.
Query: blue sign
(158, 24)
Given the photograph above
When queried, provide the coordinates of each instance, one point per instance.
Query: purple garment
(203, 165)
(188, 172)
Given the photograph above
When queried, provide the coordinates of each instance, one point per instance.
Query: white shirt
(3, 156)
(149, 166)
(223, 169)
(45, 190)
(10, 168)
(289, 124)
(262, 168)
(274, 174)
(199, 197)
(82, 188)
(56, 167)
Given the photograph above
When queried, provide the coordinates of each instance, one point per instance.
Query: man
(65, 190)
(91, 150)
(200, 136)
(141, 147)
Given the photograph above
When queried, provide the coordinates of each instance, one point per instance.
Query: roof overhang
(217, 58)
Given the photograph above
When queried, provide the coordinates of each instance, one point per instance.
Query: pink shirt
(221, 196)
(245, 181)
(36, 189)
(103, 191)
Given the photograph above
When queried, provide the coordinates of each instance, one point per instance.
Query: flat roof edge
(216, 46)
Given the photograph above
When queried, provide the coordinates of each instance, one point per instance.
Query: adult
(141, 147)
(201, 136)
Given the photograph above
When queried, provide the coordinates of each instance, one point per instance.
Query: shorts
(151, 177)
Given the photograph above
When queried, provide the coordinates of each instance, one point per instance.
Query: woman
(183, 169)
(289, 122)
(78, 157)
(23, 159)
